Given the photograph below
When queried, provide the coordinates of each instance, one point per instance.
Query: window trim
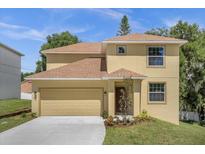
(117, 46)
(165, 93)
(164, 57)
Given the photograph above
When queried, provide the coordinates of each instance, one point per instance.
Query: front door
(118, 93)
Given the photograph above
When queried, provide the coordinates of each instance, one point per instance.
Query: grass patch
(11, 105)
(7, 123)
(156, 132)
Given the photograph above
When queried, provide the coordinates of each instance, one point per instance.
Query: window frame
(165, 93)
(117, 46)
(164, 56)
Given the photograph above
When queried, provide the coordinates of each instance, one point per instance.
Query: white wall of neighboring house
(10, 73)
(26, 96)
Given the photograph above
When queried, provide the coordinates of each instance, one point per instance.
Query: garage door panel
(71, 94)
(71, 107)
(71, 101)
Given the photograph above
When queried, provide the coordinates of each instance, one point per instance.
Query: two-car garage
(71, 101)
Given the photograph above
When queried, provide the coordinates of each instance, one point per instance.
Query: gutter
(102, 78)
(181, 42)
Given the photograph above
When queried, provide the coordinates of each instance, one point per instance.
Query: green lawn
(7, 123)
(12, 105)
(156, 132)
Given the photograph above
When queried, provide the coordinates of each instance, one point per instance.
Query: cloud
(20, 32)
(77, 30)
(173, 21)
(137, 26)
(169, 22)
(114, 14)
(10, 26)
(117, 14)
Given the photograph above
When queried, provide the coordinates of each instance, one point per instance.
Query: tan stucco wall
(38, 85)
(57, 60)
(136, 60)
(168, 110)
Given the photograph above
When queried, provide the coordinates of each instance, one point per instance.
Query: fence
(26, 96)
(194, 116)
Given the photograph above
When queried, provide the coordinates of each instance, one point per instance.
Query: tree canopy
(23, 75)
(124, 28)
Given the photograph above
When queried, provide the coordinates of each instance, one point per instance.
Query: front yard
(10, 122)
(156, 132)
(10, 106)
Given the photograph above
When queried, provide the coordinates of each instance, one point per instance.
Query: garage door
(71, 101)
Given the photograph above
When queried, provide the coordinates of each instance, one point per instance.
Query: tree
(125, 100)
(53, 41)
(23, 75)
(124, 28)
(38, 66)
(159, 31)
(191, 61)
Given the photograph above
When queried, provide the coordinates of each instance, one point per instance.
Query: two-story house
(88, 78)
(10, 72)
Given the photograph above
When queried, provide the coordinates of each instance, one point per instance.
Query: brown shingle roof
(86, 68)
(142, 37)
(77, 48)
(96, 48)
(26, 86)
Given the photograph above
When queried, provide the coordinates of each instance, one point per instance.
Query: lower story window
(157, 92)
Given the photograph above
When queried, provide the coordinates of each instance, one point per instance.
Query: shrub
(34, 115)
(202, 123)
(109, 121)
(23, 115)
(105, 114)
(143, 116)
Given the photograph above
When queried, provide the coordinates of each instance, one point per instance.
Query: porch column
(136, 96)
(111, 98)
(36, 102)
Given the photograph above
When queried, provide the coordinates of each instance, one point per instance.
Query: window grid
(157, 92)
(155, 56)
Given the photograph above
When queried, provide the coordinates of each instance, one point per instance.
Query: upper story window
(156, 56)
(121, 49)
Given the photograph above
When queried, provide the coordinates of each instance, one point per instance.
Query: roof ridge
(143, 37)
(42, 51)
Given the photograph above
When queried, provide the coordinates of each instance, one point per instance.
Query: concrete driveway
(57, 130)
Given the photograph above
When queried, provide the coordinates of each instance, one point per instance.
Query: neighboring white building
(10, 72)
(26, 90)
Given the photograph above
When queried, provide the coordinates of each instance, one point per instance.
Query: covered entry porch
(116, 88)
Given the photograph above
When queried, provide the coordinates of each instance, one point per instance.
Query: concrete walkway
(56, 130)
